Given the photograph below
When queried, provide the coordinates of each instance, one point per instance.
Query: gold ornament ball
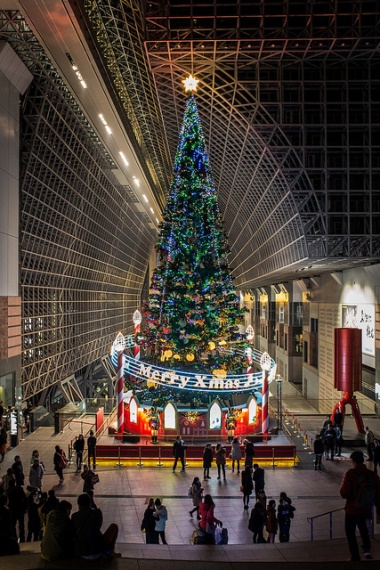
(150, 383)
(190, 357)
(177, 357)
(211, 345)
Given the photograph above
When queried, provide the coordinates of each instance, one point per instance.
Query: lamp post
(265, 363)
(119, 346)
(279, 401)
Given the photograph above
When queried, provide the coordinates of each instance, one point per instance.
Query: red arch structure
(348, 371)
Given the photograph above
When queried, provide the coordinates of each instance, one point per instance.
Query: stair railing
(310, 520)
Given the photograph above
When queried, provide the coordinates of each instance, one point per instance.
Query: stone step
(333, 554)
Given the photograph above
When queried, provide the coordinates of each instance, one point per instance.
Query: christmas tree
(193, 312)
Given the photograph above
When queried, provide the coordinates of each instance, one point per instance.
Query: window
(215, 416)
(133, 411)
(169, 416)
(252, 411)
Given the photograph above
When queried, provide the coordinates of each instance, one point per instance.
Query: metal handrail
(310, 520)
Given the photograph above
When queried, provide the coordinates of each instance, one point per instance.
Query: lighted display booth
(164, 402)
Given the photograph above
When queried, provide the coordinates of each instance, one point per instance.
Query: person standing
(208, 520)
(220, 457)
(197, 490)
(3, 443)
(60, 462)
(17, 506)
(249, 453)
(338, 419)
(256, 522)
(36, 473)
(18, 471)
(161, 515)
(91, 450)
(235, 455)
(7, 477)
(330, 442)
(318, 451)
(149, 524)
(258, 477)
(34, 521)
(246, 486)
(1, 413)
(207, 461)
(283, 517)
(361, 489)
(368, 439)
(376, 454)
(88, 479)
(8, 539)
(271, 524)
(179, 452)
(338, 440)
(78, 448)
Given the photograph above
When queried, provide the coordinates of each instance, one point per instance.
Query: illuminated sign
(183, 380)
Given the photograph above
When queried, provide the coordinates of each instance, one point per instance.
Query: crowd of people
(66, 534)
(49, 520)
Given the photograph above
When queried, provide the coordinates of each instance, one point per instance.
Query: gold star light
(190, 83)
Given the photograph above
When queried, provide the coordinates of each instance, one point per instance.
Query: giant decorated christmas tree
(192, 314)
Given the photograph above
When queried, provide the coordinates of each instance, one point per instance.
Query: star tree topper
(190, 83)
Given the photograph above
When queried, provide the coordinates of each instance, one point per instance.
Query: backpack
(365, 492)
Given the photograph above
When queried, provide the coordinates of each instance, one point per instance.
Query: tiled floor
(122, 494)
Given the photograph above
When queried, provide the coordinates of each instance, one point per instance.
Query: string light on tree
(193, 310)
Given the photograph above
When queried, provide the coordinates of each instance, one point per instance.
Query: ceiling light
(124, 159)
(151, 209)
(145, 198)
(108, 129)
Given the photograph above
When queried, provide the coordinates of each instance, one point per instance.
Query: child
(271, 526)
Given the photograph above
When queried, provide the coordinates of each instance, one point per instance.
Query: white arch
(215, 416)
(133, 410)
(170, 416)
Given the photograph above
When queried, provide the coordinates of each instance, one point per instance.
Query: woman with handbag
(246, 486)
(208, 522)
(60, 462)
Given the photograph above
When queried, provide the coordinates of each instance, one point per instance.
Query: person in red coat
(208, 520)
(358, 508)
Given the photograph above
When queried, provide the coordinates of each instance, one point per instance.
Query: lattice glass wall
(84, 247)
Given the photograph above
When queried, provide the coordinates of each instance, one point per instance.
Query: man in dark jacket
(361, 489)
(17, 507)
(18, 471)
(8, 540)
(249, 452)
(179, 452)
(91, 449)
(258, 477)
(318, 452)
